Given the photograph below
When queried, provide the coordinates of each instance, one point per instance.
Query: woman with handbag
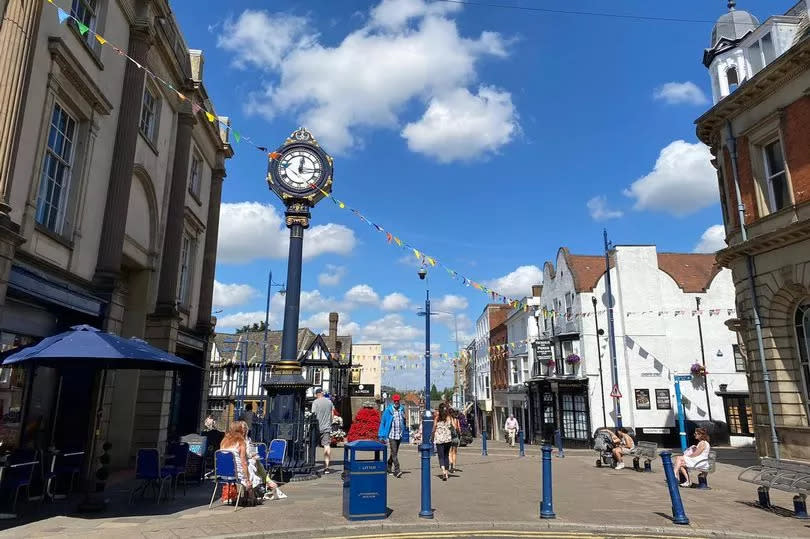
(455, 432)
(443, 437)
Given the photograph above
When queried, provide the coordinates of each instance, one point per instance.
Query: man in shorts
(322, 408)
(622, 445)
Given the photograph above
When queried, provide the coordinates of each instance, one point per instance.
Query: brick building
(758, 130)
(493, 316)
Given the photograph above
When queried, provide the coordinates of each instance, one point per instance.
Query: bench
(787, 476)
(646, 450)
(703, 475)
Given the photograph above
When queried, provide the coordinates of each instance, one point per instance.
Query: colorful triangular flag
(62, 14)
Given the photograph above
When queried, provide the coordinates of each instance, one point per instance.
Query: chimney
(537, 290)
(333, 323)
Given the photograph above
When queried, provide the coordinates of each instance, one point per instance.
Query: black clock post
(299, 172)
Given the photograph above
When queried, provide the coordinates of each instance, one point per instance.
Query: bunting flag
(83, 29)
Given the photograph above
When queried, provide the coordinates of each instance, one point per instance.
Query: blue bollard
(522, 451)
(558, 442)
(800, 507)
(547, 505)
(678, 514)
(484, 443)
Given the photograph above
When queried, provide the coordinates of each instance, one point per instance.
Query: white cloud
(252, 230)
(331, 275)
(409, 50)
(396, 302)
(270, 38)
(451, 303)
(237, 320)
(459, 126)
(391, 331)
(598, 208)
(682, 182)
(712, 240)
(362, 294)
(675, 93)
(517, 283)
(232, 295)
(393, 14)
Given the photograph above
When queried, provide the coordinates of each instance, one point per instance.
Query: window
(732, 78)
(316, 377)
(739, 358)
(57, 165)
(574, 416)
(775, 176)
(721, 184)
(803, 337)
(486, 385)
(356, 376)
(87, 12)
(569, 302)
(515, 370)
(215, 377)
(738, 415)
(567, 349)
(150, 108)
(195, 174)
(186, 261)
(761, 53)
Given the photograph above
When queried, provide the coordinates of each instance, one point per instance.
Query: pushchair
(603, 445)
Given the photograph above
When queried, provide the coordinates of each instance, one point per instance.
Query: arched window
(732, 78)
(803, 337)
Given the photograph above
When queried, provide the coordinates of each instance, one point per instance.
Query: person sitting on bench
(695, 457)
(622, 445)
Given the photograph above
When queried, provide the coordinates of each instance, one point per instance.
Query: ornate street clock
(300, 171)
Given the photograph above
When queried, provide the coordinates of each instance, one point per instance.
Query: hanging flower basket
(551, 364)
(573, 359)
(698, 370)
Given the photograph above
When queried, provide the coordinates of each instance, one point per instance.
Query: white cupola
(724, 58)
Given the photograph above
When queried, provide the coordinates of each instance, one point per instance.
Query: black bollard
(764, 497)
(800, 506)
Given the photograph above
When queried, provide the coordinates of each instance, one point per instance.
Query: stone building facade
(758, 130)
(110, 187)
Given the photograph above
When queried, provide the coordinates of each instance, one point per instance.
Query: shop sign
(361, 390)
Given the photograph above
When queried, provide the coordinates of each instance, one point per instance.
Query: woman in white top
(696, 457)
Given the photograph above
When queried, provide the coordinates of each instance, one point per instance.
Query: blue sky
(486, 137)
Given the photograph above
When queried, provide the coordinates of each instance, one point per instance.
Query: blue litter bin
(365, 480)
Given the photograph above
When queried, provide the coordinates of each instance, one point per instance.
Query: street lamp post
(617, 407)
(427, 420)
(263, 370)
(599, 332)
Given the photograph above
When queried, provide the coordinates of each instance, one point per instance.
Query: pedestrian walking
(443, 437)
(322, 408)
(391, 428)
(511, 427)
(456, 439)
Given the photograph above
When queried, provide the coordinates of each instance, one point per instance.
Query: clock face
(300, 168)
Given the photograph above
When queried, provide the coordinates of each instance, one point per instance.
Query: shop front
(560, 404)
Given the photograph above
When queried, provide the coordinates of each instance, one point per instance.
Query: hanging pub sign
(543, 351)
(361, 390)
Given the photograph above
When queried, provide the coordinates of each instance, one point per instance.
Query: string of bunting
(85, 30)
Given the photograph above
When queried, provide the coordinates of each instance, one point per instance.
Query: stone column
(18, 32)
(110, 249)
(210, 254)
(173, 237)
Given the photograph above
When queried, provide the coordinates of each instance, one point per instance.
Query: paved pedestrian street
(490, 496)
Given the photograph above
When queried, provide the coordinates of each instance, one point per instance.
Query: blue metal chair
(261, 450)
(19, 474)
(275, 457)
(177, 468)
(225, 474)
(67, 463)
(147, 469)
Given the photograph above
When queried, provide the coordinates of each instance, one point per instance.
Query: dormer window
(733, 79)
(761, 53)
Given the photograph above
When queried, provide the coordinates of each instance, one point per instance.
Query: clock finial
(302, 135)
(731, 5)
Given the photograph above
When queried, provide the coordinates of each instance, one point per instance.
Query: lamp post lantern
(300, 174)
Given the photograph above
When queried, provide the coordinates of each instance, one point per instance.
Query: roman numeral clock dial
(300, 170)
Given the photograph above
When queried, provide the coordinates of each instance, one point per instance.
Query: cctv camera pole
(599, 352)
(427, 420)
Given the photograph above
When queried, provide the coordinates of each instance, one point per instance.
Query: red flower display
(365, 426)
